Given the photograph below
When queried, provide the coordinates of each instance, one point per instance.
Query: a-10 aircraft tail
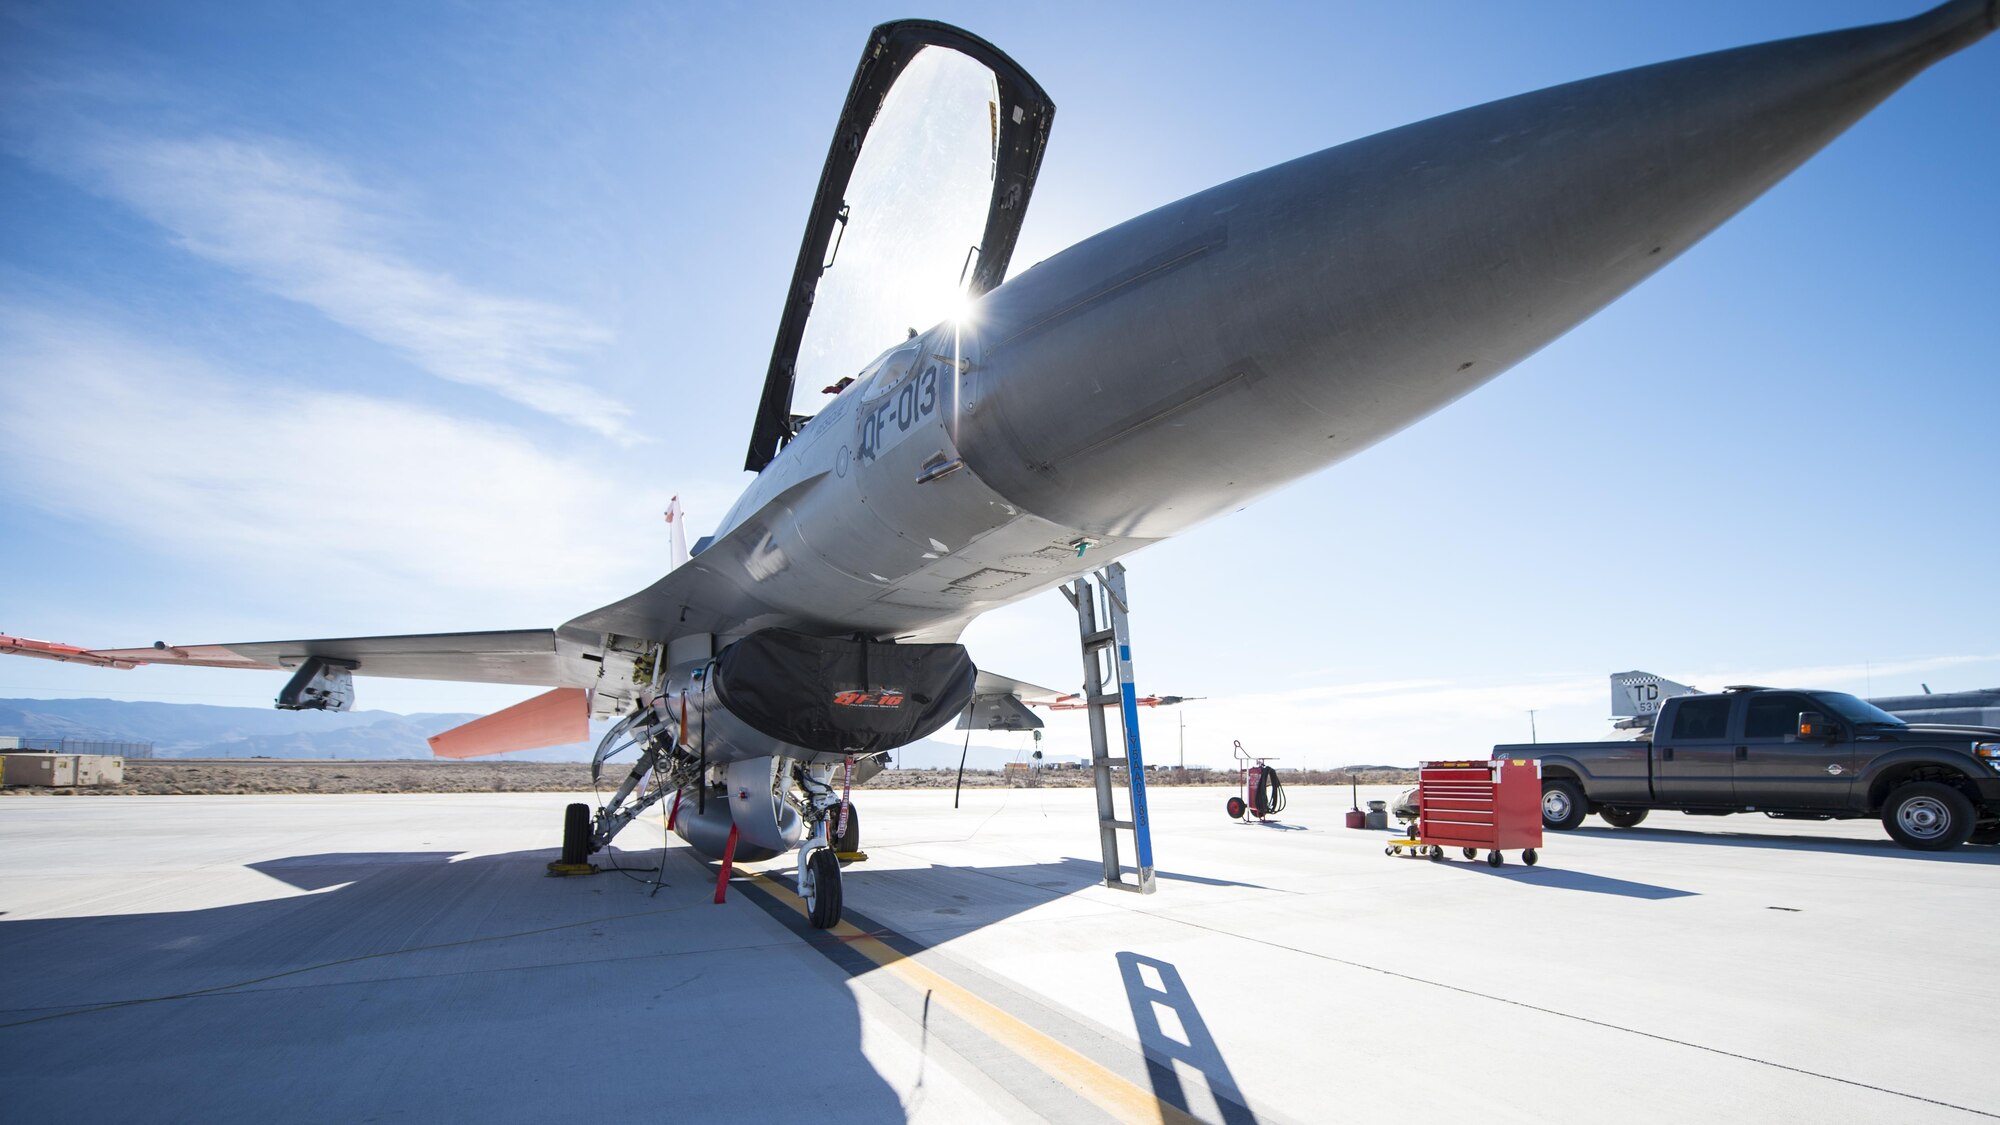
(1636, 696)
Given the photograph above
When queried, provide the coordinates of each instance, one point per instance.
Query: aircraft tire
(1563, 807)
(1622, 818)
(823, 900)
(850, 840)
(576, 834)
(1928, 816)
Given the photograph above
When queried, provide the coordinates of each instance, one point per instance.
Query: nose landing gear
(834, 841)
(819, 885)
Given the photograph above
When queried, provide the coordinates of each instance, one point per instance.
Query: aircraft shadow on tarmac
(418, 984)
(408, 966)
(951, 897)
(1711, 837)
(1091, 872)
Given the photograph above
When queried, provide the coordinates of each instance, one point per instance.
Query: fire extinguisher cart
(1473, 806)
(1262, 794)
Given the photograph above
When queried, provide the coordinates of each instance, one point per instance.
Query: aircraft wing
(992, 683)
(706, 594)
(999, 703)
(536, 657)
(567, 663)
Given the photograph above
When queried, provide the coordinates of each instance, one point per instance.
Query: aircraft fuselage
(1190, 360)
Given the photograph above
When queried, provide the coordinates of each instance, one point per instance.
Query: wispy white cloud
(1404, 721)
(299, 225)
(1399, 723)
(253, 476)
(1895, 674)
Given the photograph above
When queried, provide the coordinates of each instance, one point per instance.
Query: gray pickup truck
(1812, 755)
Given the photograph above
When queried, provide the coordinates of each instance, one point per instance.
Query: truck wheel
(1622, 818)
(1929, 816)
(1562, 805)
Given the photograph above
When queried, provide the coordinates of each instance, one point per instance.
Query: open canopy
(917, 212)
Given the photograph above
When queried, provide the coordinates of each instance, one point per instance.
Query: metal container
(40, 769)
(1377, 815)
(99, 769)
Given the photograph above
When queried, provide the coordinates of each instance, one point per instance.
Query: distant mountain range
(192, 730)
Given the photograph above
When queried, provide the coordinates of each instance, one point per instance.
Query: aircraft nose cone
(1968, 18)
(1179, 365)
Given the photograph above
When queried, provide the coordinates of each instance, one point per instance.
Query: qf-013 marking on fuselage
(899, 412)
(1291, 317)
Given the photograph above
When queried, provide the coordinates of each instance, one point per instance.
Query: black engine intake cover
(837, 695)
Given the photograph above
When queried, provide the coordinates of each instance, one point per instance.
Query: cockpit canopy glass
(915, 209)
(920, 203)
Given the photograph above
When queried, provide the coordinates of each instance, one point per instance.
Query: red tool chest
(1473, 806)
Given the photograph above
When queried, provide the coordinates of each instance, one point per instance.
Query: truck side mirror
(1812, 724)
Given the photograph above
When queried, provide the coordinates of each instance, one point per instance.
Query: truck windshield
(1857, 710)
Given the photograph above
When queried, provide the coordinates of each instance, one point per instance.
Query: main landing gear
(576, 843)
(805, 806)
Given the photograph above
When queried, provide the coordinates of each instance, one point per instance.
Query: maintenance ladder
(1101, 620)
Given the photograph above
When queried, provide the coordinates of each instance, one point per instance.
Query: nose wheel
(821, 889)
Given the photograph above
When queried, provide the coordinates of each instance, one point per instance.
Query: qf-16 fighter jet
(1154, 376)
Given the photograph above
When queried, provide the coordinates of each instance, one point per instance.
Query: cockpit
(918, 209)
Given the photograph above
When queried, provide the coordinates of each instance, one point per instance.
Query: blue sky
(324, 320)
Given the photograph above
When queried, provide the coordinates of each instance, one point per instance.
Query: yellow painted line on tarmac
(1111, 1092)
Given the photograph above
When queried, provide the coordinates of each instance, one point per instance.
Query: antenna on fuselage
(676, 524)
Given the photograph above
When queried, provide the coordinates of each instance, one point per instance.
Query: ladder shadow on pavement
(1193, 1047)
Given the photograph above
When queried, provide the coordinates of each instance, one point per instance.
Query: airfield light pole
(1183, 717)
(1532, 736)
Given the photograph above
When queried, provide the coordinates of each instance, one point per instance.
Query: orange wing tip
(69, 654)
(201, 656)
(550, 719)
